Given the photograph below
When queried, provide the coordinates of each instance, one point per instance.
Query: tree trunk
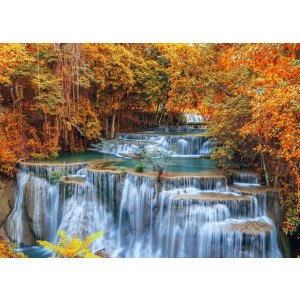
(180, 117)
(265, 169)
(156, 114)
(160, 172)
(106, 127)
(113, 123)
(162, 114)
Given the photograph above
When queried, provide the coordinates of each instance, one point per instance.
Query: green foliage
(161, 159)
(56, 175)
(123, 170)
(139, 167)
(139, 151)
(107, 147)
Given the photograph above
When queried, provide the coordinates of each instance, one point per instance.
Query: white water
(184, 228)
(246, 179)
(33, 184)
(192, 118)
(187, 146)
(16, 217)
(140, 221)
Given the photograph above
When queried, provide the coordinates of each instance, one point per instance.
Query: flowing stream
(185, 145)
(182, 217)
(186, 215)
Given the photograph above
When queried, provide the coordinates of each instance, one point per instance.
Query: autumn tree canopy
(61, 97)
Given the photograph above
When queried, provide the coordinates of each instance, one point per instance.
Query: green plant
(139, 151)
(56, 175)
(160, 160)
(123, 170)
(139, 167)
(107, 147)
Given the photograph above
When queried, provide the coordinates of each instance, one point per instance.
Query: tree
(139, 151)
(160, 160)
(107, 147)
(264, 78)
(190, 66)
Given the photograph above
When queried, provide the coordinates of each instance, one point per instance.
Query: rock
(252, 227)
(102, 253)
(34, 205)
(7, 199)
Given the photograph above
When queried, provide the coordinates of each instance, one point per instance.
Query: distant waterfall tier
(198, 128)
(190, 216)
(51, 171)
(245, 179)
(184, 145)
(189, 118)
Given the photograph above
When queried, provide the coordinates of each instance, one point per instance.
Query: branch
(226, 91)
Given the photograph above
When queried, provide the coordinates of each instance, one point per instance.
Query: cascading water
(181, 217)
(91, 207)
(15, 220)
(184, 145)
(37, 201)
(245, 179)
(175, 223)
(192, 118)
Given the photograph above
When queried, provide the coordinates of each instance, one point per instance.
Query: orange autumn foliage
(7, 250)
(62, 97)
(272, 104)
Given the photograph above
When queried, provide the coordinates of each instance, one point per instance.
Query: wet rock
(102, 253)
(252, 227)
(34, 206)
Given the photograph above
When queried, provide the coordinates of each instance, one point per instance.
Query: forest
(57, 98)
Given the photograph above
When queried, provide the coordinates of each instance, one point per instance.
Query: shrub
(8, 250)
(56, 175)
(123, 170)
(139, 167)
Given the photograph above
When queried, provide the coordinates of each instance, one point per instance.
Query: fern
(73, 248)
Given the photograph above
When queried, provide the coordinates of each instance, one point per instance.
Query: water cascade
(190, 145)
(184, 216)
(246, 179)
(38, 192)
(192, 118)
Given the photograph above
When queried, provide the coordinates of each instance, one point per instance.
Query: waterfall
(169, 226)
(206, 148)
(192, 118)
(184, 145)
(245, 179)
(202, 183)
(37, 202)
(91, 207)
(15, 220)
(184, 216)
(176, 129)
